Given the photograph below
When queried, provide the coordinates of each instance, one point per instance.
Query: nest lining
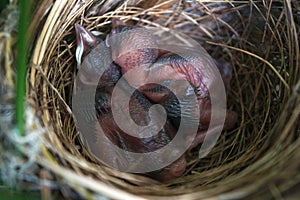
(235, 151)
(259, 42)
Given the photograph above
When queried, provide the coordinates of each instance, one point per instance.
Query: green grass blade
(22, 47)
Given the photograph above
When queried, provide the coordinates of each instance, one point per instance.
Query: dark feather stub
(139, 110)
(110, 76)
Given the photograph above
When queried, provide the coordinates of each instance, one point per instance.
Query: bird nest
(259, 158)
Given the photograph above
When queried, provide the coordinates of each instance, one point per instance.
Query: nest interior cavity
(259, 40)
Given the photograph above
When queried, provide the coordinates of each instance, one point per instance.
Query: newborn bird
(139, 107)
(159, 66)
(197, 67)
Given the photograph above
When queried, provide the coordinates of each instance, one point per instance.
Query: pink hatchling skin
(166, 66)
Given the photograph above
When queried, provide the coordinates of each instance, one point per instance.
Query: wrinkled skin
(170, 66)
(162, 64)
(138, 106)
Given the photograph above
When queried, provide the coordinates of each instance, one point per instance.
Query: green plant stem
(22, 47)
